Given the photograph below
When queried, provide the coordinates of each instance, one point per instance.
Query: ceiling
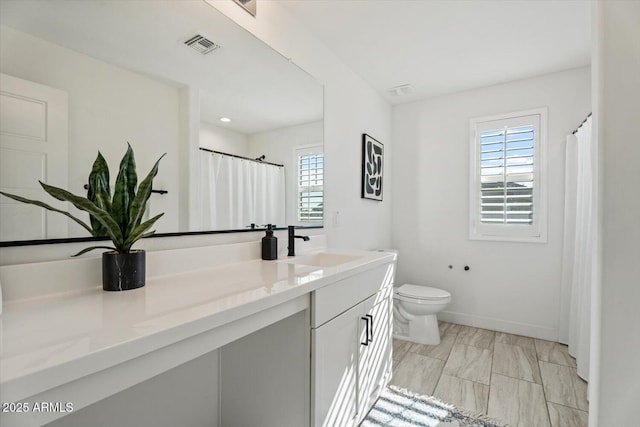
(441, 47)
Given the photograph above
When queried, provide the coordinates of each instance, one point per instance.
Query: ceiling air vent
(401, 90)
(201, 44)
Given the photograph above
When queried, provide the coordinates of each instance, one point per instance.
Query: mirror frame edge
(38, 242)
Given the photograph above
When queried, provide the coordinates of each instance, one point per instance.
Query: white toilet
(414, 313)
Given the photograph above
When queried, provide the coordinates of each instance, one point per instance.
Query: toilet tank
(395, 261)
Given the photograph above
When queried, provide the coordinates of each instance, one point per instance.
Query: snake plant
(118, 217)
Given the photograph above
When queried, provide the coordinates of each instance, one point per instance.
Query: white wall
(108, 106)
(514, 287)
(217, 138)
(279, 146)
(351, 108)
(615, 374)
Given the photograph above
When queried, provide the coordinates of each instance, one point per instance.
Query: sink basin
(322, 259)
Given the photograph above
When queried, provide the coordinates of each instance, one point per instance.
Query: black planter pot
(121, 272)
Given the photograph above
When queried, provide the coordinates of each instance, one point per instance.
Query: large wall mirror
(241, 125)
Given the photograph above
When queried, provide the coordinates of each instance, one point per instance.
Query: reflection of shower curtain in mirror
(238, 192)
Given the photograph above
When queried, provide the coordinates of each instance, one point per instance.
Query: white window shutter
(506, 188)
(310, 186)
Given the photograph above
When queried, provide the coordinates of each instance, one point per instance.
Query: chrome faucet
(292, 240)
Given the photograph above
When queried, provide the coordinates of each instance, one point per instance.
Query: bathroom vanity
(235, 341)
(351, 342)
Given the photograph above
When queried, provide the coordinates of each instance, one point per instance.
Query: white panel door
(33, 147)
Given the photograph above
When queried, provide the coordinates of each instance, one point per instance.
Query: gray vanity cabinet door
(334, 370)
(374, 364)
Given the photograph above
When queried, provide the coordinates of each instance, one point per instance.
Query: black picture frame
(250, 6)
(372, 168)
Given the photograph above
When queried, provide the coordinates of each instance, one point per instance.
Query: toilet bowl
(415, 308)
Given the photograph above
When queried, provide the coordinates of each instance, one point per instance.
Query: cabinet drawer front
(334, 299)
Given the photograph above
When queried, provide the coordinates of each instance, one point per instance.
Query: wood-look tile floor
(521, 381)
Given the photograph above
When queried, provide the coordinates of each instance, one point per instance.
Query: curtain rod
(583, 122)
(241, 157)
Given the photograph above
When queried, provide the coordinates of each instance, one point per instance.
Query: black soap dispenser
(269, 245)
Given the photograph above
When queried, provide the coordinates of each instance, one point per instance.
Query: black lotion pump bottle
(269, 245)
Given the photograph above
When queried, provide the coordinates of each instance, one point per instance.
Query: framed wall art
(248, 5)
(372, 163)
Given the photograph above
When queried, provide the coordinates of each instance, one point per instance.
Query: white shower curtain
(237, 192)
(579, 262)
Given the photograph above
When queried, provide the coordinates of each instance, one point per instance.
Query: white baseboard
(500, 325)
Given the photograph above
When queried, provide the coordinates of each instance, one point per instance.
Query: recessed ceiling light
(225, 119)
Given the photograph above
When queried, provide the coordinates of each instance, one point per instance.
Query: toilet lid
(422, 292)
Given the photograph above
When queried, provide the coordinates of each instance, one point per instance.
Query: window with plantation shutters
(507, 192)
(506, 175)
(310, 163)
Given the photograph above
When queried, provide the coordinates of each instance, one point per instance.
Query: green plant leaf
(48, 207)
(118, 218)
(125, 190)
(99, 192)
(140, 201)
(139, 232)
(151, 233)
(86, 205)
(91, 248)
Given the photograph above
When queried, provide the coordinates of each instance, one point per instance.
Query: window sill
(507, 238)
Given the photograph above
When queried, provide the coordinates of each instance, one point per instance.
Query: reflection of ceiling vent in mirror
(201, 44)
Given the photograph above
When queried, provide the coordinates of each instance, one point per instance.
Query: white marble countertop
(53, 339)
